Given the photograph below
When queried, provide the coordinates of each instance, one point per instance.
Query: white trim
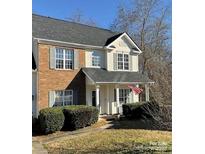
(123, 62)
(98, 105)
(88, 76)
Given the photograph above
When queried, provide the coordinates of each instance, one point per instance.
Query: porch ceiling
(103, 76)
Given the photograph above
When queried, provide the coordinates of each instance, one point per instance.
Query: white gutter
(40, 40)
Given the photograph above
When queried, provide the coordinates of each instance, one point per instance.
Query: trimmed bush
(140, 110)
(79, 116)
(51, 119)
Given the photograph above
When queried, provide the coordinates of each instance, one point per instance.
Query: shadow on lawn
(139, 124)
(120, 148)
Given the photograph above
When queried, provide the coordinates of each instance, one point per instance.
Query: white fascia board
(132, 42)
(70, 44)
(129, 39)
(108, 46)
(89, 77)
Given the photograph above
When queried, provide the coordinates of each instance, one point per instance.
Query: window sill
(64, 69)
(94, 67)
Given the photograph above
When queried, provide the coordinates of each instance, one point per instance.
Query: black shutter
(114, 95)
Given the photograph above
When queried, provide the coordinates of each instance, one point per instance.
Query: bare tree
(147, 23)
(78, 17)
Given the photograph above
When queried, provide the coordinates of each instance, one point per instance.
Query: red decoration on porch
(136, 90)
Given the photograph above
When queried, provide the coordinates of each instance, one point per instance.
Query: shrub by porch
(150, 113)
(140, 110)
(68, 117)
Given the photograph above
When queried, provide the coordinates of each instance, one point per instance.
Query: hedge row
(51, 119)
(70, 117)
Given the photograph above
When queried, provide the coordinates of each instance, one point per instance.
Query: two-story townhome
(79, 64)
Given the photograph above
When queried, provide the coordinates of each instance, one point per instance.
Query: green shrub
(79, 116)
(94, 115)
(140, 110)
(51, 119)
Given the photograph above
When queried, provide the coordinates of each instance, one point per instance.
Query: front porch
(109, 98)
(108, 90)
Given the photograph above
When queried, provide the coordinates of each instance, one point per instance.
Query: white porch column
(146, 92)
(108, 99)
(117, 98)
(98, 97)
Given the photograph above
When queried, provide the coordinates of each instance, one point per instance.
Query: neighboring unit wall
(121, 47)
(51, 79)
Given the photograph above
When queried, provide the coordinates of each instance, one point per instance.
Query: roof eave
(70, 44)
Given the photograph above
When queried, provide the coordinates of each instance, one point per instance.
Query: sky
(103, 12)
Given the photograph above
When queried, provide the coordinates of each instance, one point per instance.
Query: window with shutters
(64, 58)
(122, 61)
(63, 97)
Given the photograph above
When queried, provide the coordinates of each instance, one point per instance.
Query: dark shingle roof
(102, 75)
(66, 31)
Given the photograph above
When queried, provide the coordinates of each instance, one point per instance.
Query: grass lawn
(114, 141)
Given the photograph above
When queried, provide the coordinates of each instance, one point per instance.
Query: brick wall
(50, 79)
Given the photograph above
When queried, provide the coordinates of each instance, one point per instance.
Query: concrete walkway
(37, 148)
(73, 134)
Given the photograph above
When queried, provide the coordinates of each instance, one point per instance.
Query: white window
(63, 97)
(122, 61)
(95, 59)
(124, 95)
(64, 58)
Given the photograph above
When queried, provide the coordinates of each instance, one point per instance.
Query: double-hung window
(63, 97)
(64, 58)
(95, 59)
(122, 61)
(124, 95)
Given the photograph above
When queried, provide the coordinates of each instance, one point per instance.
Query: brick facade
(50, 79)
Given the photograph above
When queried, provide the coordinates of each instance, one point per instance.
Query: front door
(93, 98)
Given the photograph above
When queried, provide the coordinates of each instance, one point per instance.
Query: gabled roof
(103, 76)
(129, 39)
(66, 31)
